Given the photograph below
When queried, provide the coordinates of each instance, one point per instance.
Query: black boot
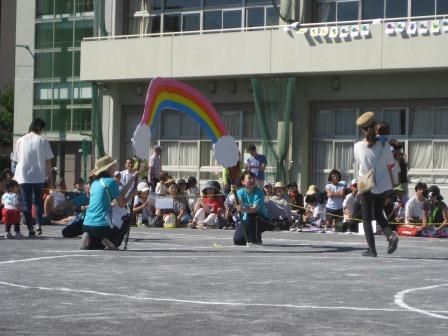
(370, 253)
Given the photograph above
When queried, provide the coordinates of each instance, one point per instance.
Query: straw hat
(365, 119)
(279, 185)
(103, 164)
(312, 190)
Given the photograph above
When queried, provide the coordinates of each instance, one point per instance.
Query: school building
(93, 60)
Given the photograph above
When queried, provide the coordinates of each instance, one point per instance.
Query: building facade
(48, 82)
(347, 57)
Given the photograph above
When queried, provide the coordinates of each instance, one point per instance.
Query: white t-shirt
(335, 202)
(11, 201)
(350, 203)
(414, 208)
(147, 210)
(31, 153)
(366, 158)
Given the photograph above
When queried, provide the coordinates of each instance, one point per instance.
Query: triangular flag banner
(365, 29)
(445, 25)
(314, 31)
(400, 27)
(412, 28)
(323, 31)
(355, 31)
(334, 31)
(423, 27)
(390, 28)
(435, 26)
(302, 30)
(344, 31)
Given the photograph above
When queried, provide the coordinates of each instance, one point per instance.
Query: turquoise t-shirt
(99, 204)
(254, 199)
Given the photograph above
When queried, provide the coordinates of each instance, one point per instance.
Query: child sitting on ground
(192, 191)
(144, 204)
(208, 208)
(315, 211)
(231, 214)
(11, 210)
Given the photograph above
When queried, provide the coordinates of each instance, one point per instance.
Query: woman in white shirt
(373, 152)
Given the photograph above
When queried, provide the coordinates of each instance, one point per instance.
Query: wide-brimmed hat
(103, 164)
(279, 185)
(312, 190)
(366, 119)
(212, 185)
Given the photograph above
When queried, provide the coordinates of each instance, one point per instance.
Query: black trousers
(373, 205)
(97, 233)
(254, 226)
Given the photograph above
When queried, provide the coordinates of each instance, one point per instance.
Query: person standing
(155, 167)
(370, 153)
(33, 155)
(256, 164)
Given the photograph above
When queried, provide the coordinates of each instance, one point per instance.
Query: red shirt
(214, 203)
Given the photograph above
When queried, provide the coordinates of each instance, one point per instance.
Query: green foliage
(6, 115)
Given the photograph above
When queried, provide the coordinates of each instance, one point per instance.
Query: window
(43, 67)
(63, 34)
(43, 93)
(171, 23)
(232, 19)
(44, 35)
(272, 18)
(442, 7)
(326, 12)
(191, 22)
(191, 4)
(81, 120)
(61, 120)
(63, 7)
(423, 8)
(84, 6)
(154, 24)
(83, 28)
(212, 20)
(348, 10)
(255, 17)
(63, 64)
(421, 128)
(44, 7)
(372, 9)
(173, 4)
(396, 8)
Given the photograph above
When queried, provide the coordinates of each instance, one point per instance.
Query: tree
(6, 115)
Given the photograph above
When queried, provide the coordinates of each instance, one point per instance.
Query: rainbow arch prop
(169, 94)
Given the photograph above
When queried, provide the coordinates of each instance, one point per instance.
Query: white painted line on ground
(211, 303)
(399, 300)
(197, 302)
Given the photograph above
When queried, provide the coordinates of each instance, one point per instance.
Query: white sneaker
(8, 235)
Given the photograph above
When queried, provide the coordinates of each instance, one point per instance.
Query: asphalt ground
(195, 282)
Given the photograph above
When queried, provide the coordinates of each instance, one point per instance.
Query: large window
(193, 15)
(59, 97)
(347, 10)
(423, 129)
